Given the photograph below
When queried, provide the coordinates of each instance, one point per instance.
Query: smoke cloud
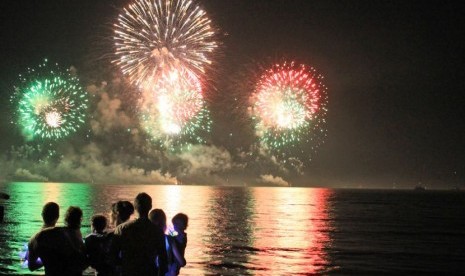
(114, 148)
(273, 180)
(25, 175)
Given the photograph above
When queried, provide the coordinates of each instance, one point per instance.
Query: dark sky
(394, 69)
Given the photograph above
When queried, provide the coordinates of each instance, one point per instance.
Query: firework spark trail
(179, 98)
(51, 104)
(289, 108)
(171, 135)
(152, 36)
(173, 111)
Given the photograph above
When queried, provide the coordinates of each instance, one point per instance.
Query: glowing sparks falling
(289, 108)
(51, 103)
(179, 98)
(173, 110)
(173, 136)
(164, 47)
(152, 36)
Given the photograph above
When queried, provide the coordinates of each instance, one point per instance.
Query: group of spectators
(120, 247)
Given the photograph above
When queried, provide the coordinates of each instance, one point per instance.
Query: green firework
(51, 104)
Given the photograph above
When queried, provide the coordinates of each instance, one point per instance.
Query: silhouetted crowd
(133, 247)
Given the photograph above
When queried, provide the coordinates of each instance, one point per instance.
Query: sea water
(271, 230)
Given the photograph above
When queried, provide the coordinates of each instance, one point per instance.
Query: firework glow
(152, 36)
(289, 108)
(174, 108)
(179, 98)
(51, 104)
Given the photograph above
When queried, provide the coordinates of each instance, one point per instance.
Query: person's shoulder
(48, 234)
(34, 238)
(181, 238)
(90, 237)
(110, 232)
(50, 231)
(63, 231)
(90, 240)
(96, 235)
(127, 224)
(94, 238)
(54, 229)
(123, 226)
(149, 226)
(169, 238)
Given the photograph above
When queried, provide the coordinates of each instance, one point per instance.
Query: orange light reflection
(292, 232)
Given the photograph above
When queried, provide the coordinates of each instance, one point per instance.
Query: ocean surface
(271, 230)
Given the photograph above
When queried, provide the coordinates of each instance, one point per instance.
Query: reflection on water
(271, 231)
(230, 238)
(292, 230)
(232, 231)
(23, 214)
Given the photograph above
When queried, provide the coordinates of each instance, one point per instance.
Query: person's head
(98, 223)
(143, 204)
(121, 211)
(158, 217)
(180, 222)
(73, 217)
(50, 213)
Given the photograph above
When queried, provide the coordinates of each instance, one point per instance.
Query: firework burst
(152, 36)
(174, 112)
(289, 108)
(51, 104)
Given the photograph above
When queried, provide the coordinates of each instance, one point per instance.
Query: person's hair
(73, 217)
(158, 217)
(99, 222)
(143, 203)
(180, 221)
(50, 212)
(122, 210)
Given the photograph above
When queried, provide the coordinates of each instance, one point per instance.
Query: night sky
(394, 72)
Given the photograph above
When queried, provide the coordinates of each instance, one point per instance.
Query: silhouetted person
(50, 215)
(97, 246)
(61, 249)
(174, 257)
(121, 211)
(180, 222)
(139, 242)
